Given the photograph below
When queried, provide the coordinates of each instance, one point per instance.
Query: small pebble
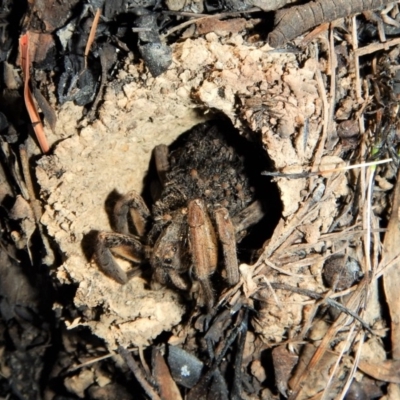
(341, 272)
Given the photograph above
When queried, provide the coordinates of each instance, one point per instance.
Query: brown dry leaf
(220, 27)
(48, 111)
(39, 45)
(386, 370)
(166, 385)
(52, 13)
(391, 278)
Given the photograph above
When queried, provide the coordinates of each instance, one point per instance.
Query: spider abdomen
(208, 166)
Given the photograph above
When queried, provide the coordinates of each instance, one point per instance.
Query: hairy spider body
(206, 167)
(206, 199)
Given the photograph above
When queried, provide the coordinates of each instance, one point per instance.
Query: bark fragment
(293, 22)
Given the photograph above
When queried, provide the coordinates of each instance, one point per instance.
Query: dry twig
(29, 102)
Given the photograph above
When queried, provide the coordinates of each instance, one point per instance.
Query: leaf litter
(293, 103)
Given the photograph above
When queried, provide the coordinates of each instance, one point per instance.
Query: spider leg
(161, 276)
(131, 203)
(203, 245)
(126, 246)
(229, 230)
(226, 234)
(168, 258)
(177, 280)
(161, 153)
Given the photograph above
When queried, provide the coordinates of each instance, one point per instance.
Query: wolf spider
(205, 204)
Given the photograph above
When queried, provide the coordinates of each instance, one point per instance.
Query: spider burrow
(203, 206)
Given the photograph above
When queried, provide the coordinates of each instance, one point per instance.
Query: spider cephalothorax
(204, 206)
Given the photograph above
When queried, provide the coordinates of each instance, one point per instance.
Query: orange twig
(92, 34)
(29, 103)
(314, 33)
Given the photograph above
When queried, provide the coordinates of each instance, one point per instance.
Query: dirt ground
(315, 313)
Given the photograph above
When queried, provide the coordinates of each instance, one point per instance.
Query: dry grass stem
(92, 34)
